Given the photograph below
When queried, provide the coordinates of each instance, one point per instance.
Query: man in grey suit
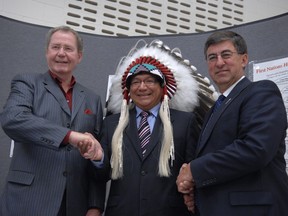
(145, 163)
(240, 166)
(54, 122)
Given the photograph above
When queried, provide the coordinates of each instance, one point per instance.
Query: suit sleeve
(18, 118)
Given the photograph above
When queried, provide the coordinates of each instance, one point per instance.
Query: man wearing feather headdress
(156, 80)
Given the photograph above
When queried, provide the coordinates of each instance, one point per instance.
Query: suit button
(68, 125)
(143, 173)
(69, 147)
(65, 173)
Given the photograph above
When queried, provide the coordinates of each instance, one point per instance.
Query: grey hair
(167, 151)
(65, 29)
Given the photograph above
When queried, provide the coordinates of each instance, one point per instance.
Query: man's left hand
(93, 212)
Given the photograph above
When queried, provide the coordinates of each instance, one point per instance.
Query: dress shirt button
(143, 173)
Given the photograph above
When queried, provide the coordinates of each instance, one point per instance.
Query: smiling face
(62, 54)
(145, 91)
(228, 70)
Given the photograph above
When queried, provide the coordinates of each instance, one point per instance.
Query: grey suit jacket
(141, 191)
(240, 167)
(37, 117)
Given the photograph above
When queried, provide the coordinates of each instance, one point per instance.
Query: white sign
(277, 71)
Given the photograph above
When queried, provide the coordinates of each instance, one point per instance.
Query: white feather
(186, 95)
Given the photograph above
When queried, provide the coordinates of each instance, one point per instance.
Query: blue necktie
(218, 102)
(144, 131)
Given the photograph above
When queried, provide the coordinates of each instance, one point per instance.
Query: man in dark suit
(240, 166)
(143, 175)
(54, 122)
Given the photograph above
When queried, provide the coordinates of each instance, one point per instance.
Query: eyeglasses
(148, 82)
(227, 54)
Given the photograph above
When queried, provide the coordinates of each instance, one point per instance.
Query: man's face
(225, 65)
(145, 91)
(62, 54)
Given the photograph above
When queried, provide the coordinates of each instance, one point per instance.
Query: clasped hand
(87, 145)
(185, 185)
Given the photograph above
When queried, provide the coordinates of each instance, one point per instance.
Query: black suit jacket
(240, 165)
(141, 191)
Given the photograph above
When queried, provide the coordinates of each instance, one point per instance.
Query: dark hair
(65, 29)
(220, 36)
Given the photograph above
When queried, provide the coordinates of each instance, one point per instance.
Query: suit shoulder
(28, 76)
(265, 85)
(182, 114)
(110, 117)
(28, 79)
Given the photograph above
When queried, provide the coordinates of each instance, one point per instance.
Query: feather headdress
(183, 88)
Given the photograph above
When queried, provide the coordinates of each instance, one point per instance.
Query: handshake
(87, 145)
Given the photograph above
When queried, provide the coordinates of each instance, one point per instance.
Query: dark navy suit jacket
(240, 165)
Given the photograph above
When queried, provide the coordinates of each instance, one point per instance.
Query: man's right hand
(88, 146)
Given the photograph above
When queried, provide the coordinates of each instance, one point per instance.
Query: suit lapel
(213, 117)
(132, 134)
(77, 100)
(54, 89)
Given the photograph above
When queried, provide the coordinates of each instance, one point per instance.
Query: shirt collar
(227, 92)
(56, 78)
(154, 111)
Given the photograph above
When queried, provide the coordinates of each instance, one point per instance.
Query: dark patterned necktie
(144, 131)
(218, 102)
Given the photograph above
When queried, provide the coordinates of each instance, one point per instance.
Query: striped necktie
(144, 131)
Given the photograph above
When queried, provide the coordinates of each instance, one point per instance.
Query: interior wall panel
(22, 50)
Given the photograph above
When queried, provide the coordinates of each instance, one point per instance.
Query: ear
(80, 55)
(244, 60)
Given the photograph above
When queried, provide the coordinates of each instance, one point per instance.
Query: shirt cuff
(66, 138)
(98, 163)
